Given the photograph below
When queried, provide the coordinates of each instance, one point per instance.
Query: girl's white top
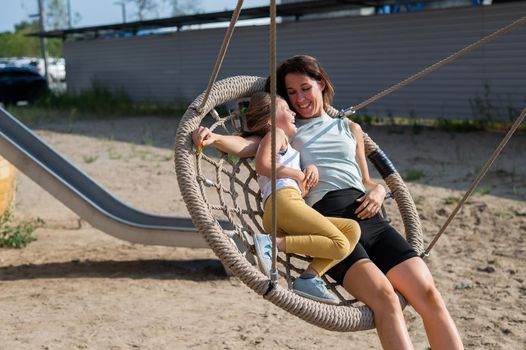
(289, 158)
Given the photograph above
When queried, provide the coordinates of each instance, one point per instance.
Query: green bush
(413, 175)
(462, 126)
(15, 236)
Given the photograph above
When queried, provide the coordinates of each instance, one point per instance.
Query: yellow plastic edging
(7, 184)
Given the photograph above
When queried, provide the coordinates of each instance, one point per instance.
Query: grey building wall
(362, 55)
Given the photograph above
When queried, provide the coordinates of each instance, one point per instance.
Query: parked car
(56, 68)
(21, 84)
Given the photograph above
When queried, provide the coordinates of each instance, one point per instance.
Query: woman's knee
(433, 297)
(368, 284)
(414, 280)
(383, 299)
(428, 299)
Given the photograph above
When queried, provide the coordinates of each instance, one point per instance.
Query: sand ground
(77, 288)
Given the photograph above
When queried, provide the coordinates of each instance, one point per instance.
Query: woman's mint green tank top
(329, 144)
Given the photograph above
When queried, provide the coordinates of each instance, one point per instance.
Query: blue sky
(96, 12)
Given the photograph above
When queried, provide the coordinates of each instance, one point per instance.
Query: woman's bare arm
(372, 201)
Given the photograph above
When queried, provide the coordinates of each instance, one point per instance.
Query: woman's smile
(305, 94)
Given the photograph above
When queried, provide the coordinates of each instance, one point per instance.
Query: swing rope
(424, 72)
(222, 52)
(273, 93)
(477, 180)
(436, 66)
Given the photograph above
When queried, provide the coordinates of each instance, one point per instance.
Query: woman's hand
(202, 137)
(311, 176)
(371, 203)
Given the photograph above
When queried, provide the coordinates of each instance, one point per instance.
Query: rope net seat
(223, 199)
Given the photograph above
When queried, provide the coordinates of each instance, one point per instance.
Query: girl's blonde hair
(257, 116)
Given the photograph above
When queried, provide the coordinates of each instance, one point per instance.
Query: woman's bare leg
(368, 284)
(413, 279)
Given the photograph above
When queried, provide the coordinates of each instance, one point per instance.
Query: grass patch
(113, 154)
(451, 200)
(103, 102)
(419, 125)
(167, 157)
(98, 102)
(16, 236)
(147, 139)
(89, 159)
(365, 120)
(505, 214)
(464, 126)
(482, 190)
(413, 175)
(417, 128)
(419, 200)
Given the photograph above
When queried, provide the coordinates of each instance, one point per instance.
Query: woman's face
(305, 94)
(285, 117)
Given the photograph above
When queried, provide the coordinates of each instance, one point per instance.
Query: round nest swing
(218, 187)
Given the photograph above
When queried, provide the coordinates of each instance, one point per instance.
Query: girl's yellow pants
(328, 240)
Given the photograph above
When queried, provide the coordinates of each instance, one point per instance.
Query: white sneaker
(263, 244)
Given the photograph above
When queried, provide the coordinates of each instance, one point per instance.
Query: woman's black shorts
(379, 241)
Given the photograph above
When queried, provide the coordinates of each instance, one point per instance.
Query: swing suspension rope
(437, 65)
(349, 111)
(477, 180)
(222, 52)
(272, 59)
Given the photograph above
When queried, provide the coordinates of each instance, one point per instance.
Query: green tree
(19, 44)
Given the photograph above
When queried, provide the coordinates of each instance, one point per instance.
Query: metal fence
(362, 54)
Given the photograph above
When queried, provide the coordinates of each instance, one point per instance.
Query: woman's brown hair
(306, 65)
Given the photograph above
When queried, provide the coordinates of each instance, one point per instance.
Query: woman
(382, 261)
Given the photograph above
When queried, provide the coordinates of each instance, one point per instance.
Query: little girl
(301, 229)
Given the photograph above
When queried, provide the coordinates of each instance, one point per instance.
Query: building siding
(362, 55)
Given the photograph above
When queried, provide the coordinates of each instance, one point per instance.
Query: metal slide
(36, 159)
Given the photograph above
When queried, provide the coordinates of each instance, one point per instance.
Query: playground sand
(77, 288)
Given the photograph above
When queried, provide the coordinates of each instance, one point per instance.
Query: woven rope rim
(342, 318)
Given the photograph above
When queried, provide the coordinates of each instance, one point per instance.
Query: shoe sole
(315, 298)
(261, 262)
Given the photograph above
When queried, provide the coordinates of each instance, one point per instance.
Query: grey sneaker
(314, 288)
(263, 244)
